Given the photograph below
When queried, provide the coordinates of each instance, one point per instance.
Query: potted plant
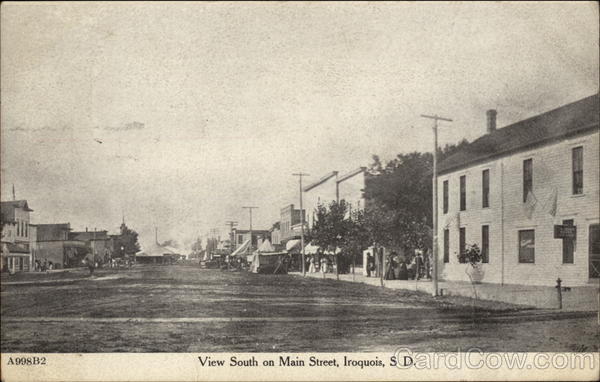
(472, 256)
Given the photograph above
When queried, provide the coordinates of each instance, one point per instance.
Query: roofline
(320, 181)
(544, 142)
(351, 174)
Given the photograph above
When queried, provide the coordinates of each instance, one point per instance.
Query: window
(240, 239)
(527, 178)
(463, 192)
(445, 196)
(446, 246)
(18, 228)
(461, 240)
(485, 188)
(578, 170)
(527, 246)
(485, 243)
(568, 245)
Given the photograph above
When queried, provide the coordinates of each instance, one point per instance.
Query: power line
(250, 208)
(300, 175)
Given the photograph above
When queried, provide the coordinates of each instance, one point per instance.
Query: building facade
(241, 236)
(290, 223)
(510, 190)
(17, 236)
(100, 243)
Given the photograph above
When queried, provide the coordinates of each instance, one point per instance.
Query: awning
(266, 247)
(311, 249)
(292, 244)
(242, 248)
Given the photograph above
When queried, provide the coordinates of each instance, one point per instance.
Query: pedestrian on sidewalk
(324, 264)
(369, 264)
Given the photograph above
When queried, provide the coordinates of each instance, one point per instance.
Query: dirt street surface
(187, 309)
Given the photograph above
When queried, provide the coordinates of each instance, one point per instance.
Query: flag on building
(529, 205)
(550, 205)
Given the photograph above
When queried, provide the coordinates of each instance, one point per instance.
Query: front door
(594, 251)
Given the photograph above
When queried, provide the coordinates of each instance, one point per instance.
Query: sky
(177, 115)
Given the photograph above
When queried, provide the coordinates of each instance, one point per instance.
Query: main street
(183, 308)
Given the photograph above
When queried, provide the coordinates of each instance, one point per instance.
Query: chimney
(491, 120)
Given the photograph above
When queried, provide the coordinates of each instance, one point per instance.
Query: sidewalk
(584, 298)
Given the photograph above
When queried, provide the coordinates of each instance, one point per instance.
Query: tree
(127, 242)
(331, 228)
(399, 202)
(357, 238)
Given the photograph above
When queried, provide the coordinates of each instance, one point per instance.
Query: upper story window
(577, 158)
(463, 192)
(18, 228)
(445, 198)
(485, 188)
(527, 178)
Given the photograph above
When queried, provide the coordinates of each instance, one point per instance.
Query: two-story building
(290, 223)
(100, 243)
(17, 236)
(528, 195)
(240, 236)
(54, 245)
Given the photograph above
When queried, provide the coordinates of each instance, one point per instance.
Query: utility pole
(435, 199)
(231, 224)
(300, 175)
(249, 208)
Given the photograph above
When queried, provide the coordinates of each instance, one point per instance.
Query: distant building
(100, 243)
(290, 223)
(54, 245)
(275, 233)
(17, 236)
(515, 192)
(240, 236)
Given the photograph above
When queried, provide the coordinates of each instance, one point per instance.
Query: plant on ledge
(473, 257)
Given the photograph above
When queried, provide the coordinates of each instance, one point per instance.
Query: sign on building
(565, 232)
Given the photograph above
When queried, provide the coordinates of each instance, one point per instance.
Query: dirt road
(187, 309)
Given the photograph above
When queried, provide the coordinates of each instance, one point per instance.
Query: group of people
(45, 266)
(398, 268)
(319, 263)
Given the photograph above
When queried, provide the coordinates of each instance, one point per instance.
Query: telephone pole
(231, 224)
(249, 208)
(300, 175)
(435, 199)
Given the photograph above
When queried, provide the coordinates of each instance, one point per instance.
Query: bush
(471, 255)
